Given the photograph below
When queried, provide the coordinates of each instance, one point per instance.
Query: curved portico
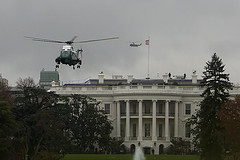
(141, 120)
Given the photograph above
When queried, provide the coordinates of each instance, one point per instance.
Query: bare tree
(25, 83)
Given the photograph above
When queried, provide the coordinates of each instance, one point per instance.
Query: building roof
(115, 82)
(161, 82)
(107, 81)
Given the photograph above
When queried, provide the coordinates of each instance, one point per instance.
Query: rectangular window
(122, 130)
(160, 130)
(134, 109)
(134, 130)
(122, 109)
(147, 108)
(187, 130)
(171, 129)
(161, 109)
(187, 109)
(107, 108)
(147, 129)
(171, 109)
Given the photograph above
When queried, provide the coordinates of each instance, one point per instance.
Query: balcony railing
(133, 87)
(139, 89)
(106, 88)
(147, 113)
(147, 138)
(147, 87)
(160, 114)
(161, 138)
(133, 138)
(134, 114)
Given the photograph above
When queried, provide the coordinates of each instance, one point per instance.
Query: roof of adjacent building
(49, 76)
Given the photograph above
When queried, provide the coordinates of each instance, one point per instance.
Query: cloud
(183, 36)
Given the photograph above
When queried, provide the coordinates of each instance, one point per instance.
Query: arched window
(132, 148)
(161, 147)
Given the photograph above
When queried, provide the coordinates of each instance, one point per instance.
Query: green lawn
(127, 157)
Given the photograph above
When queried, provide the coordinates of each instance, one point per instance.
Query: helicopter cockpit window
(65, 53)
(74, 56)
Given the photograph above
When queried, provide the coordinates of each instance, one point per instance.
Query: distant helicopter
(67, 55)
(133, 44)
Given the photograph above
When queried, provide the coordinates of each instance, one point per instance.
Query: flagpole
(148, 76)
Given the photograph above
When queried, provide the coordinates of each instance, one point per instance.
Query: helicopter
(68, 55)
(133, 44)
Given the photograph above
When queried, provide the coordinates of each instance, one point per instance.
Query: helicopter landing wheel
(78, 66)
(57, 66)
(73, 67)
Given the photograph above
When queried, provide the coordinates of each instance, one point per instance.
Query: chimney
(130, 78)
(194, 77)
(101, 78)
(165, 78)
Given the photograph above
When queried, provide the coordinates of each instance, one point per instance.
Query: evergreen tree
(207, 131)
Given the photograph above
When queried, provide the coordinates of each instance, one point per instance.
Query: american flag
(147, 42)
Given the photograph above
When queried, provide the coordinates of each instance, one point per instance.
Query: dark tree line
(42, 125)
(230, 120)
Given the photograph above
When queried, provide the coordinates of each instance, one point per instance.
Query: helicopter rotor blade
(44, 40)
(71, 41)
(68, 42)
(94, 40)
(73, 38)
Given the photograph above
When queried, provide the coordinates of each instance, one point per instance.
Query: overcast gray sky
(184, 34)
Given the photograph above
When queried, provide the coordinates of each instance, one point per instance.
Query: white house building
(144, 112)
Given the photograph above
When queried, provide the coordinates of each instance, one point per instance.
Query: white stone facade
(147, 112)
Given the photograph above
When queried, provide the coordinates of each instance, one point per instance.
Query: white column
(194, 108)
(140, 120)
(127, 121)
(167, 119)
(154, 120)
(176, 120)
(118, 120)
